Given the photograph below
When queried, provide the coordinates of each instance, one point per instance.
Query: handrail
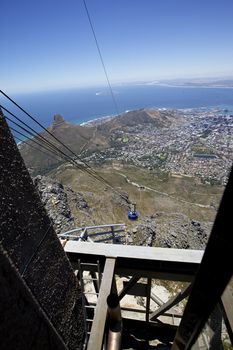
(88, 227)
(84, 235)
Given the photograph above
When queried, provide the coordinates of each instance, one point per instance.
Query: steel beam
(129, 285)
(148, 292)
(173, 301)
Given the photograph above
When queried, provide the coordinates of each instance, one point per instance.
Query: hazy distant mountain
(198, 82)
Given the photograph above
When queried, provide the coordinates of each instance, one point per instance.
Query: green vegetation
(163, 156)
(125, 139)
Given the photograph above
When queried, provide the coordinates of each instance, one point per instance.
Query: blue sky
(48, 44)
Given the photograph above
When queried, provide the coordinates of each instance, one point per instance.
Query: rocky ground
(171, 231)
(65, 207)
(58, 201)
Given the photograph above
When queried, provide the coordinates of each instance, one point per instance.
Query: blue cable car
(133, 213)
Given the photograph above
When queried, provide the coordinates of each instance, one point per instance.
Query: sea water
(82, 105)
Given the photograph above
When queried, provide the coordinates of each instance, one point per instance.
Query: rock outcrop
(171, 231)
(56, 199)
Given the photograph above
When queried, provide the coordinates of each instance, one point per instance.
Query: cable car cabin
(133, 213)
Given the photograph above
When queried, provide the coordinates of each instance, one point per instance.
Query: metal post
(115, 322)
(148, 292)
(113, 235)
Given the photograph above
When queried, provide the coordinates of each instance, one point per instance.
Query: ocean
(82, 105)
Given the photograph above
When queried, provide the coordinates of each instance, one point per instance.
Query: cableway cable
(91, 171)
(101, 58)
(52, 148)
(34, 141)
(62, 155)
(36, 148)
(29, 132)
(30, 128)
(71, 160)
(37, 135)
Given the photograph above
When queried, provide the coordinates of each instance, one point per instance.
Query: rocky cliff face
(57, 199)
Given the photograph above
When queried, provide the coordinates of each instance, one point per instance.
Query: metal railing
(112, 233)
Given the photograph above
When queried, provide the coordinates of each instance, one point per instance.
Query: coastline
(96, 120)
(83, 107)
(218, 108)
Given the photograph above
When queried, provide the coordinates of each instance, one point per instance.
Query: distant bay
(81, 105)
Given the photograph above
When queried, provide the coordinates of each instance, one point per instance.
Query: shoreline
(100, 120)
(96, 120)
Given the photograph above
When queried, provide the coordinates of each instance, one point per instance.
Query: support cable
(89, 170)
(30, 133)
(66, 158)
(46, 130)
(32, 140)
(25, 124)
(36, 148)
(41, 138)
(101, 58)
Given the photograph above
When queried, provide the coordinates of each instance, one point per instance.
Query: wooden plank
(98, 326)
(173, 301)
(136, 252)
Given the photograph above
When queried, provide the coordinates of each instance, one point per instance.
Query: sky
(48, 44)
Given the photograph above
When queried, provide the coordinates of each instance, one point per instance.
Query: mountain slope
(91, 138)
(75, 137)
(156, 118)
